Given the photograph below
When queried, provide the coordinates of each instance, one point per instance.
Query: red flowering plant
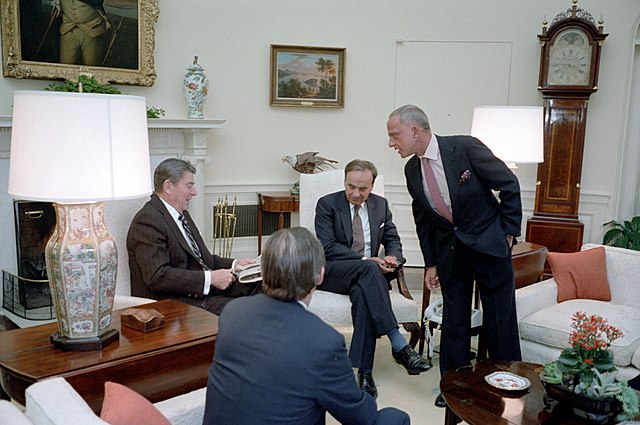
(586, 367)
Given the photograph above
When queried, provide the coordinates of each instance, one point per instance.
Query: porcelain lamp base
(82, 263)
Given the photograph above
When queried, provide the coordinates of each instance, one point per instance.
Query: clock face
(570, 59)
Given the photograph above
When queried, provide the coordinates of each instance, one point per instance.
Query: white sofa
(545, 325)
(55, 402)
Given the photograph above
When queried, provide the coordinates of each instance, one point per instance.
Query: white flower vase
(196, 87)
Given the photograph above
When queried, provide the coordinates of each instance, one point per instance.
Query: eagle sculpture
(309, 162)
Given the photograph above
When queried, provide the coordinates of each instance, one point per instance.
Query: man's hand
(387, 264)
(221, 278)
(510, 240)
(431, 280)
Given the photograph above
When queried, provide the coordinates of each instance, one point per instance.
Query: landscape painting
(307, 76)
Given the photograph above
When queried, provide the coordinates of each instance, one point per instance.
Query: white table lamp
(513, 133)
(77, 149)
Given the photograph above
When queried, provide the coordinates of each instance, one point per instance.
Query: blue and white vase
(196, 87)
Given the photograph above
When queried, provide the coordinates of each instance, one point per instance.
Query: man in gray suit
(352, 225)
(167, 256)
(278, 363)
(465, 233)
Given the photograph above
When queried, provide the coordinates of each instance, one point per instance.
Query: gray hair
(291, 262)
(411, 114)
(361, 165)
(171, 169)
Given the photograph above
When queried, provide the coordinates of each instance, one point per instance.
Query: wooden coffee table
(471, 399)
(159, 365)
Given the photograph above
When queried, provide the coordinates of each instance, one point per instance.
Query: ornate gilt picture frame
(33, 41)
(307, 76)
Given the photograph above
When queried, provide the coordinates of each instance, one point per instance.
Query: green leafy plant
(89, 85)
(586, 367)
(153, 112)
(623, 235)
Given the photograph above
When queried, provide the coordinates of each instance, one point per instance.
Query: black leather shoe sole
(411, 361)
(440, 401)
(414, 371)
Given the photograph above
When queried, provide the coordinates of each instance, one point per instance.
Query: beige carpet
(413, 394)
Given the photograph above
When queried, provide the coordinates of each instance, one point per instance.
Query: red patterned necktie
(434, 191)
(358, 231)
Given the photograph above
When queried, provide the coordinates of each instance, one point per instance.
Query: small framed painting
(307, 76)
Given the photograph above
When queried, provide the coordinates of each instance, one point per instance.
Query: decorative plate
(507, 381)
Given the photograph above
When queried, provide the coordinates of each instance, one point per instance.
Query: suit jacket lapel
(416, 177)
(171, 224)
(373, 224)
(451, 164)
(344, 213)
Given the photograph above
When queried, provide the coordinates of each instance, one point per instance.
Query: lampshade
(513, 133)
(70, 147)
(77, 149)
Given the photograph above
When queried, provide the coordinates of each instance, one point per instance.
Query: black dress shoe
(412, 361)
(440, 401)
(367, 384)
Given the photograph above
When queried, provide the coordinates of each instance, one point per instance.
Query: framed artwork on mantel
(117, 39)
(307, 76)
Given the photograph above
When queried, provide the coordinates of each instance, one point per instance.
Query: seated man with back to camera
(352, 225)
(167, 256)
(278, 363)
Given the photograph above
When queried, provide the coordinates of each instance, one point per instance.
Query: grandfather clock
(568, 75)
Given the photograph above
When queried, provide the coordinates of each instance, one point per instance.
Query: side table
(159, 365)
(279, 202)
(528, 263)
(471, 399)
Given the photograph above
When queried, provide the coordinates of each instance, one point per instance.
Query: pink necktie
(434, 191)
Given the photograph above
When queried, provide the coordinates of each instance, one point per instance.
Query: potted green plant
(623, 235)
(89, 85)
(153, 112)
(584, 375)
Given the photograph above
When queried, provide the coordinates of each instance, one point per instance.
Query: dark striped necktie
(192, 241)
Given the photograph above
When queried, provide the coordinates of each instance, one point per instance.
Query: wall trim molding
(593, 209)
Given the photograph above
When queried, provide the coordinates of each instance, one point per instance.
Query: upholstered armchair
(335, 309)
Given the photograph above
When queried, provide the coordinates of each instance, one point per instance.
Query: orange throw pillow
(581, 275)
(123, 406)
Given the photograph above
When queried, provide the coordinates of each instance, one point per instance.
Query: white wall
(232, 38)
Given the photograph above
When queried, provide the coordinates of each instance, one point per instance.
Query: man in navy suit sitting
(352, 225)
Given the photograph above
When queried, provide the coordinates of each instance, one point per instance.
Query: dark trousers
(495, 279)
(371, 310)
(216, 300)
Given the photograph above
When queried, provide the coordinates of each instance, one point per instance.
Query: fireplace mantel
(168, 137)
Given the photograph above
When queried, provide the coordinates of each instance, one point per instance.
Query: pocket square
(381, 226)
(465, 176)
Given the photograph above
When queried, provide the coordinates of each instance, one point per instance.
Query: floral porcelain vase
(196, 87)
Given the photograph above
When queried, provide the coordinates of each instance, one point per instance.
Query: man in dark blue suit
(465, 233)
(354, 268)
(276, 362)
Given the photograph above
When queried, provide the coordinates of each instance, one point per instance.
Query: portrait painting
(307, 76)
(113, 40)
